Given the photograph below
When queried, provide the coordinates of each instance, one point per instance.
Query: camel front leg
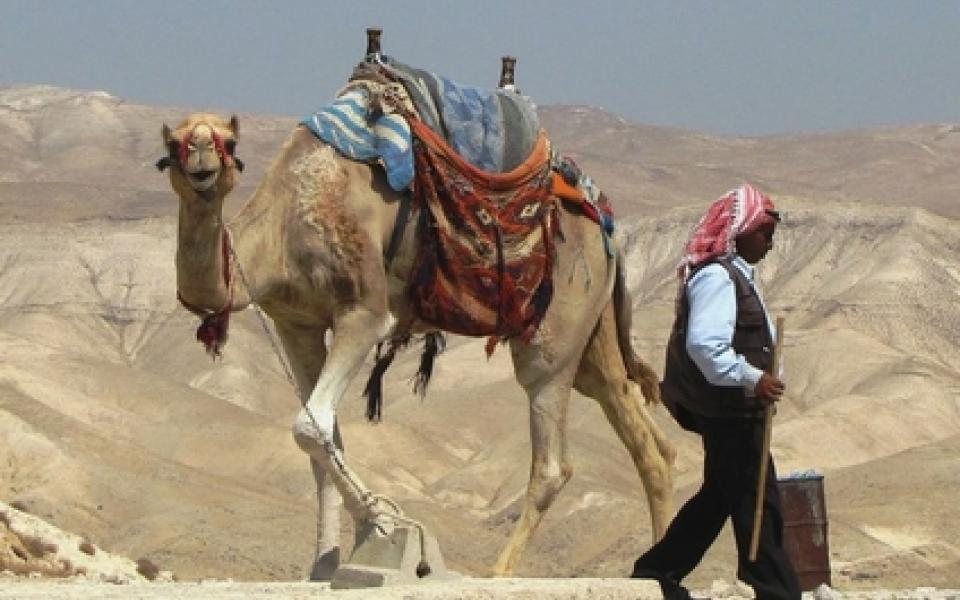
(306, 353)
(550, 466)
(314, 430)
(326, 559)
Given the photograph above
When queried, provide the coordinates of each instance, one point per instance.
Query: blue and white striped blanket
(346, 124)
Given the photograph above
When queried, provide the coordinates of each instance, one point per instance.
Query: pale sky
(730, 67)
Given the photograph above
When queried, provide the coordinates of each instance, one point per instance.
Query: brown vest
(684, 384)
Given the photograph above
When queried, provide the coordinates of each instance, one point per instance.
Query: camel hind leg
(602, 376)
(549, 391)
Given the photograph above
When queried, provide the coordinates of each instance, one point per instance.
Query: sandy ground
(466, 589)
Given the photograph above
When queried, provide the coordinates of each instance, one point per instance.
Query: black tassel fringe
(374, 388)
(433, 344)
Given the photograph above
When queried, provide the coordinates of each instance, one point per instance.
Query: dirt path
(465, 589)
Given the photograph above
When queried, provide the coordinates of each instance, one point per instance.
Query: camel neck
(203, 258)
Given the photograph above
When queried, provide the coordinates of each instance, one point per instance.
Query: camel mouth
(202, 180)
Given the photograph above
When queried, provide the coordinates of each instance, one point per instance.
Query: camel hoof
(325, 565)
(397, 558)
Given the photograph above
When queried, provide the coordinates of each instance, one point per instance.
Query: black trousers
(731, 459)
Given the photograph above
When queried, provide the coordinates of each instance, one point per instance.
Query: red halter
(184, 151)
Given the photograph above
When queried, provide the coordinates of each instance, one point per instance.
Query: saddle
(485, 184)
(494, 130)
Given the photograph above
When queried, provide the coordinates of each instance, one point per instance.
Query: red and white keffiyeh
(740, 211)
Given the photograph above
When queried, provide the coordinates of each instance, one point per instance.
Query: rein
(212, 332)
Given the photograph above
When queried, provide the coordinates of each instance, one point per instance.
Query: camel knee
(313, 434)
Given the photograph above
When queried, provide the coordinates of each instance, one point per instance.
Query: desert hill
(91, 153)
(116, 426)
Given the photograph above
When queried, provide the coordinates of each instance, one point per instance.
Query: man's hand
(769, 389)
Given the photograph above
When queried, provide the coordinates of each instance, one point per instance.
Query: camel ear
(173, 148)
(231, 145)
(172, 143)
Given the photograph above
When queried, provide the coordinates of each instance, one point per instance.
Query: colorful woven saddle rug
(485, 264)
(485, 261)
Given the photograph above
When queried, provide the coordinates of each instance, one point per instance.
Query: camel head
(200, 154)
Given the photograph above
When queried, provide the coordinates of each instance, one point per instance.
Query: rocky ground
(38, 560)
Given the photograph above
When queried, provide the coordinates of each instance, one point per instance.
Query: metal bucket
(805, 528)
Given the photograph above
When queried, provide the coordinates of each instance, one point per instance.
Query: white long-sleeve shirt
(712, 300)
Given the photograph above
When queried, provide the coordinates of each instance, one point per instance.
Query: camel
(308, 248)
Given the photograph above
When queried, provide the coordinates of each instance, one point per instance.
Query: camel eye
(230, 146)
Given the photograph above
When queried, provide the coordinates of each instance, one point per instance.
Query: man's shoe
(645, 574)
(673, 590)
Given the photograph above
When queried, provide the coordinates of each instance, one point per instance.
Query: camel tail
(638, 370)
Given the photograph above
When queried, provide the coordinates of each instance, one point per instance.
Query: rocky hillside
(91, 153)
(117, 427)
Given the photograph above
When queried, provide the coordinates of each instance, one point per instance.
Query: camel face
(202, 148)
(202, 164)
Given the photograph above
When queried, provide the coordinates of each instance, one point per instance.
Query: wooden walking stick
(765, 451)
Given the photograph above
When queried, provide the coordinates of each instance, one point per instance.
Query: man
(717, 384)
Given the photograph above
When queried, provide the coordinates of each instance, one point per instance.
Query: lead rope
(367, 497)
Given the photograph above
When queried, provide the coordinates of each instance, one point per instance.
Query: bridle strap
(399, 227)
